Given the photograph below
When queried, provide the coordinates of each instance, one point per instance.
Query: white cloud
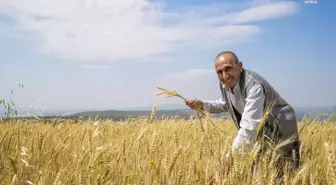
(261, 10)
(131, 30)
(264, 12)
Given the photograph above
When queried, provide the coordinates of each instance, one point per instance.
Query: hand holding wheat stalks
(175, 94)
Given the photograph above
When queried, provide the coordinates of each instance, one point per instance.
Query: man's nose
(225, 76)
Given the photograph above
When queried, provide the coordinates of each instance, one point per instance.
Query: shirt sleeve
(215, 106)
(251, 117)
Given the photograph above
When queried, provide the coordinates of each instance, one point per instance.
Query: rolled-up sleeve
(215, 106)
(251, 117)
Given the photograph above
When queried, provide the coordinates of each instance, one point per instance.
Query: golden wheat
(164, 152)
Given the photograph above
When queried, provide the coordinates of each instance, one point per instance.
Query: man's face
(228, 70)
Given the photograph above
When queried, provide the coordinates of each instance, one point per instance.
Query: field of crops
(167, 151)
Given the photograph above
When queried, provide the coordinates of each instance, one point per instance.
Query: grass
(169, 151)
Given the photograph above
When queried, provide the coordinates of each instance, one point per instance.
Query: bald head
(227, 56)
(228, 68)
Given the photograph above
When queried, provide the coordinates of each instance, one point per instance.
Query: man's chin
(230, 85)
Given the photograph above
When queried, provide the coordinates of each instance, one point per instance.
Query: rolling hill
(185, 113)
(315, 112)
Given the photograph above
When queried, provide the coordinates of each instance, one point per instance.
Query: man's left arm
(251, 117)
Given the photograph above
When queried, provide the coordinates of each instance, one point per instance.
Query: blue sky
(112, 54)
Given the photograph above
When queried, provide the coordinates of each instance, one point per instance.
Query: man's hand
(194, 104)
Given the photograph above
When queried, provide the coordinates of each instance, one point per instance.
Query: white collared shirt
(251, 113)
(251, 109)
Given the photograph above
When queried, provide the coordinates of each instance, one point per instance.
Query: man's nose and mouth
(227, 79)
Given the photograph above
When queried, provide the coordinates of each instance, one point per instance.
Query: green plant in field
(10, 106)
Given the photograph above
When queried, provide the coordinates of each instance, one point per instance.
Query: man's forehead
(222, 58)
(227, 59)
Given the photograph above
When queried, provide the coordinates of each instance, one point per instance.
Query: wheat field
(142, 151)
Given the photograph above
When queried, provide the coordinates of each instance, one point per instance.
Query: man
(248, 97)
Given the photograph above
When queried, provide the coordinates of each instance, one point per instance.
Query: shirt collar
(236, 88)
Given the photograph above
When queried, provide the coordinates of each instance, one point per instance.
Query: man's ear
(240, 64)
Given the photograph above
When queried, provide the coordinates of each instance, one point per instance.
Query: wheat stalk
(152, 115)
(169, 153)
(175, 94)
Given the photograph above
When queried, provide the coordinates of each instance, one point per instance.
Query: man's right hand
(194, 104)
